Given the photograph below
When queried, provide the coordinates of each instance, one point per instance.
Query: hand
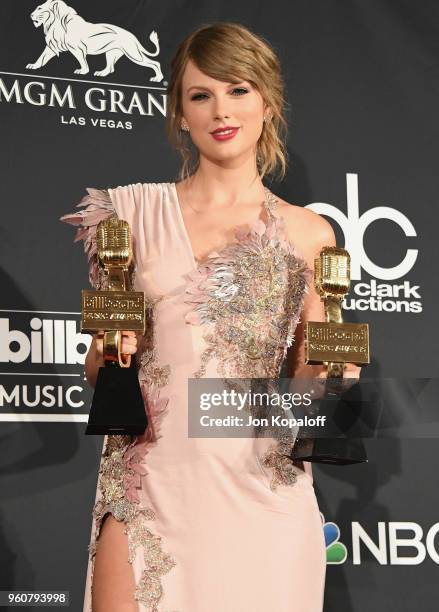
(129, 343)
(351, 376)
(351, 370)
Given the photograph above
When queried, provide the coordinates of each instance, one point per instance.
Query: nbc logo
(388, 545)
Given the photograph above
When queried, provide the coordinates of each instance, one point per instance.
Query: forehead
(194, 76)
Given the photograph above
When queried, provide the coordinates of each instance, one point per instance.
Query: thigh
(113, 578)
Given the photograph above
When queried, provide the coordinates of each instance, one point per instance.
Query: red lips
(222, 129)
(225, 133)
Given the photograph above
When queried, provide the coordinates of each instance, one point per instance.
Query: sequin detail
(277, 458)
(121, 469)
(152, 375)
(114, 470)
(249, 297)
(158, 563)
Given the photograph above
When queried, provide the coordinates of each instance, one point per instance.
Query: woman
(213, 524)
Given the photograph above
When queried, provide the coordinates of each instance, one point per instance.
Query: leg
(46, 55)
(80, 53)
(113, 579)
(148, 63)
(112, 57)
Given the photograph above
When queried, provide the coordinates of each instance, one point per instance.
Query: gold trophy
(333, 343)
(117, 407)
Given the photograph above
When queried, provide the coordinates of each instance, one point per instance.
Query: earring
(184, 125)
(267, 118)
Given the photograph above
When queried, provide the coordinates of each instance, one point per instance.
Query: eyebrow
(204, 87)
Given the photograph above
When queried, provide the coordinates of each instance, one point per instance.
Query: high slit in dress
(213, 524)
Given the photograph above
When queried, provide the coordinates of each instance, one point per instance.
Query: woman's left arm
(319, 234)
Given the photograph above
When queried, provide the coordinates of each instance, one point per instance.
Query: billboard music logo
(66, 32)
(374, 295)
(42, 359)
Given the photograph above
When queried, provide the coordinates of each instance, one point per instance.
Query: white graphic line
(42, 418)
(40, 76)
(34, 374)
(41, 311)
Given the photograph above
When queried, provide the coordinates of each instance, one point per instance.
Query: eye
(236, 91)
(198, 96)
(243, 90)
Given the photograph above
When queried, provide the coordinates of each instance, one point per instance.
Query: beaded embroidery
(249, 296)
(113, 472)
(120, 470)
(277, 458)
(152, 376)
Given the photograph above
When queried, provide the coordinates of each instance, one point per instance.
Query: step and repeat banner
(361, 82)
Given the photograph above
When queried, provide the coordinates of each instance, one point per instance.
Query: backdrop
(361, 79)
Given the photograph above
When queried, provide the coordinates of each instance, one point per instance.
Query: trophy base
(117, 407)
(336, 451)
(123, 430)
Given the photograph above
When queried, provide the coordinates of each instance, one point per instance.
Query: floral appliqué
(121, 469)
(119, 475)
(97, 206)
(249, 297)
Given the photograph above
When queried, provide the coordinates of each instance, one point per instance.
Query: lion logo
(65, 30)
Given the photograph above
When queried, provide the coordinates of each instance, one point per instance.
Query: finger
(352, 370)
(128, 349)
(99, 347)
(128, 334)
(129, 343)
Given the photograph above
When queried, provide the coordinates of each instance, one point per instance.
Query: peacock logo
(336, 551)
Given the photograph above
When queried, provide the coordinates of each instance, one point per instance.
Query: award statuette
(333, 343)
(117, 407)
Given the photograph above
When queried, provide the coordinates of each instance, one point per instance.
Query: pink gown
(213, 524)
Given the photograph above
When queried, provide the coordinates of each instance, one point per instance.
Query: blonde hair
(230, 52)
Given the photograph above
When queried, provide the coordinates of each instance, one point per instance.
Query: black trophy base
(336, 451)
(117, 406)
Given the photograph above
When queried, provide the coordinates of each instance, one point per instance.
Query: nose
(220, 111)
(221, 116)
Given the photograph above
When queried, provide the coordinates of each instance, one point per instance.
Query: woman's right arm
(94, 358)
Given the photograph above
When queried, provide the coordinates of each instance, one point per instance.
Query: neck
(216, 185)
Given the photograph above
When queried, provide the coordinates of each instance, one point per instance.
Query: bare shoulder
(306, 229)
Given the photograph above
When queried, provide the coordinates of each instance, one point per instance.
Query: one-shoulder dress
(213, 524)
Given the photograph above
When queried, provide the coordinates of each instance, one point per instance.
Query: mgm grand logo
(66, 31)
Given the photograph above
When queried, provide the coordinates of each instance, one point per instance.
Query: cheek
(199, 116)
(251, 120)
